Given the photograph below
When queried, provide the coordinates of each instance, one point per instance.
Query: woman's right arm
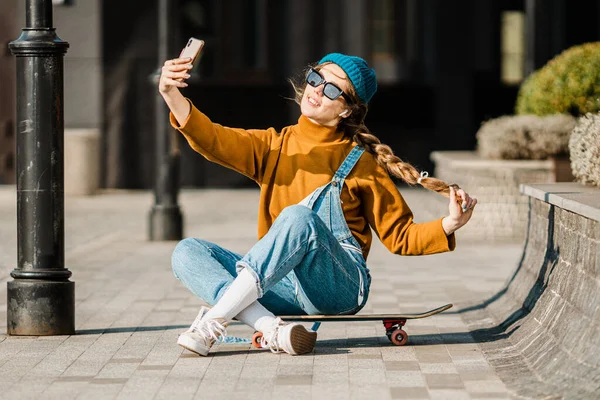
(173, 76)
(244, 151)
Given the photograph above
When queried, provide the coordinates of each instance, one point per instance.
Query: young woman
(325, 183)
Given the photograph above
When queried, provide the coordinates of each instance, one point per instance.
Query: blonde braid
(398, 168)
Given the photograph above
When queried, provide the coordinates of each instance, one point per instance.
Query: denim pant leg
(331, 281)
(207, 270)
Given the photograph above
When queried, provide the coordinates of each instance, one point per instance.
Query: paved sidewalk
(130, 308)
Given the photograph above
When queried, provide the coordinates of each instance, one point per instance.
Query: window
(512, 47)
(385, 61)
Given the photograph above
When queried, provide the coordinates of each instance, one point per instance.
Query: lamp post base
(40, 308)
(166, 223)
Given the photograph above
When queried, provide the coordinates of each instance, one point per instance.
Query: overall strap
(347, 165)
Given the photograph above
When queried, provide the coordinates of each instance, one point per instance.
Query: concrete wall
(545, 336)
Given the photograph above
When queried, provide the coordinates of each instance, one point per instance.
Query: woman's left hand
(460, 213)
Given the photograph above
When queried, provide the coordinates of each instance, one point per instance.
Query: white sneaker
(293, 338)
(202, 334)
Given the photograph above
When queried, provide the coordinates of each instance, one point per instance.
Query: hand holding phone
(192, 50)
(176, 71)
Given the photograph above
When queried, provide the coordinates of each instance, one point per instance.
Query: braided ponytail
(396, 167)
(354, 127)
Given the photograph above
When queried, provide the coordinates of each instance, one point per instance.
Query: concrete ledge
(575, 197)
(547, 317)
(466, 159)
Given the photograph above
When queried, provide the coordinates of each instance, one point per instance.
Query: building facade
(443, 68)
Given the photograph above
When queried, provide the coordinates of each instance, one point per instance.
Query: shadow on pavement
(129, 329)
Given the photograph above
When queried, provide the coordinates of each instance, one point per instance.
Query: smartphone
(192, 49)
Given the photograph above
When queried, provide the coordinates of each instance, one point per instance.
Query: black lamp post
(41, 299)
(166, 221)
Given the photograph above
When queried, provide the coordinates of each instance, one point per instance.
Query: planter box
(82, 161)
(501, 214)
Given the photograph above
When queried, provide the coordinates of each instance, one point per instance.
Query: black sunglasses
(330, 90)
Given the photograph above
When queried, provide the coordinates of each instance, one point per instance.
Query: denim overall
(307, 263)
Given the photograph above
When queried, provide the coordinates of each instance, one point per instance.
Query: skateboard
(393, 323)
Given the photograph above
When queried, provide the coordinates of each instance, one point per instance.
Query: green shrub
(525, 137)
(569, 83)
(584, 146)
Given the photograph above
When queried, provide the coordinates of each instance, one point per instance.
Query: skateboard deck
(393, 323)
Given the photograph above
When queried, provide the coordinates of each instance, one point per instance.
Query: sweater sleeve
(392, 220)
(241, 150)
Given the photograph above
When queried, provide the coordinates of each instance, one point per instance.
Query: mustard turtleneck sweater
(291, 164)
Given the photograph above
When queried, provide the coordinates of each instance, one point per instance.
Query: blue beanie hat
(362, 77)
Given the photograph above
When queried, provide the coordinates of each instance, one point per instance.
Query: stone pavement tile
(224, 368)
(262, 371)
(366, 363)
(57, 362)
(444, 381)
(64, 389)
(330, 391)
(108, 381)
(472, 366)
(434, 357)
(415, 330)
(148, 367)
(485, 375)
(300, 392)
(357, 356)
(117, 370)
(405, 379)
(401, 366)
(448, 394)
(261, 358)
(455, 334)
(126, 360)
(7, 382)
(442, 368)
(142, 384)
(256, 384)
(472, 355)
(286, 359)
(369, 392)
(193, 367)
(330, 378)
(432, 348)
(170, 304)
(331, 361)
(293, 380)
(457, 347)
(13, 345)
(27, 387)
(399, 353)
(490, 396)
(485, 386)
(178, 388)
(256, 394)
(99, 391)
(412, 393)
(358, 376)
(163, 354)
(290, 369)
